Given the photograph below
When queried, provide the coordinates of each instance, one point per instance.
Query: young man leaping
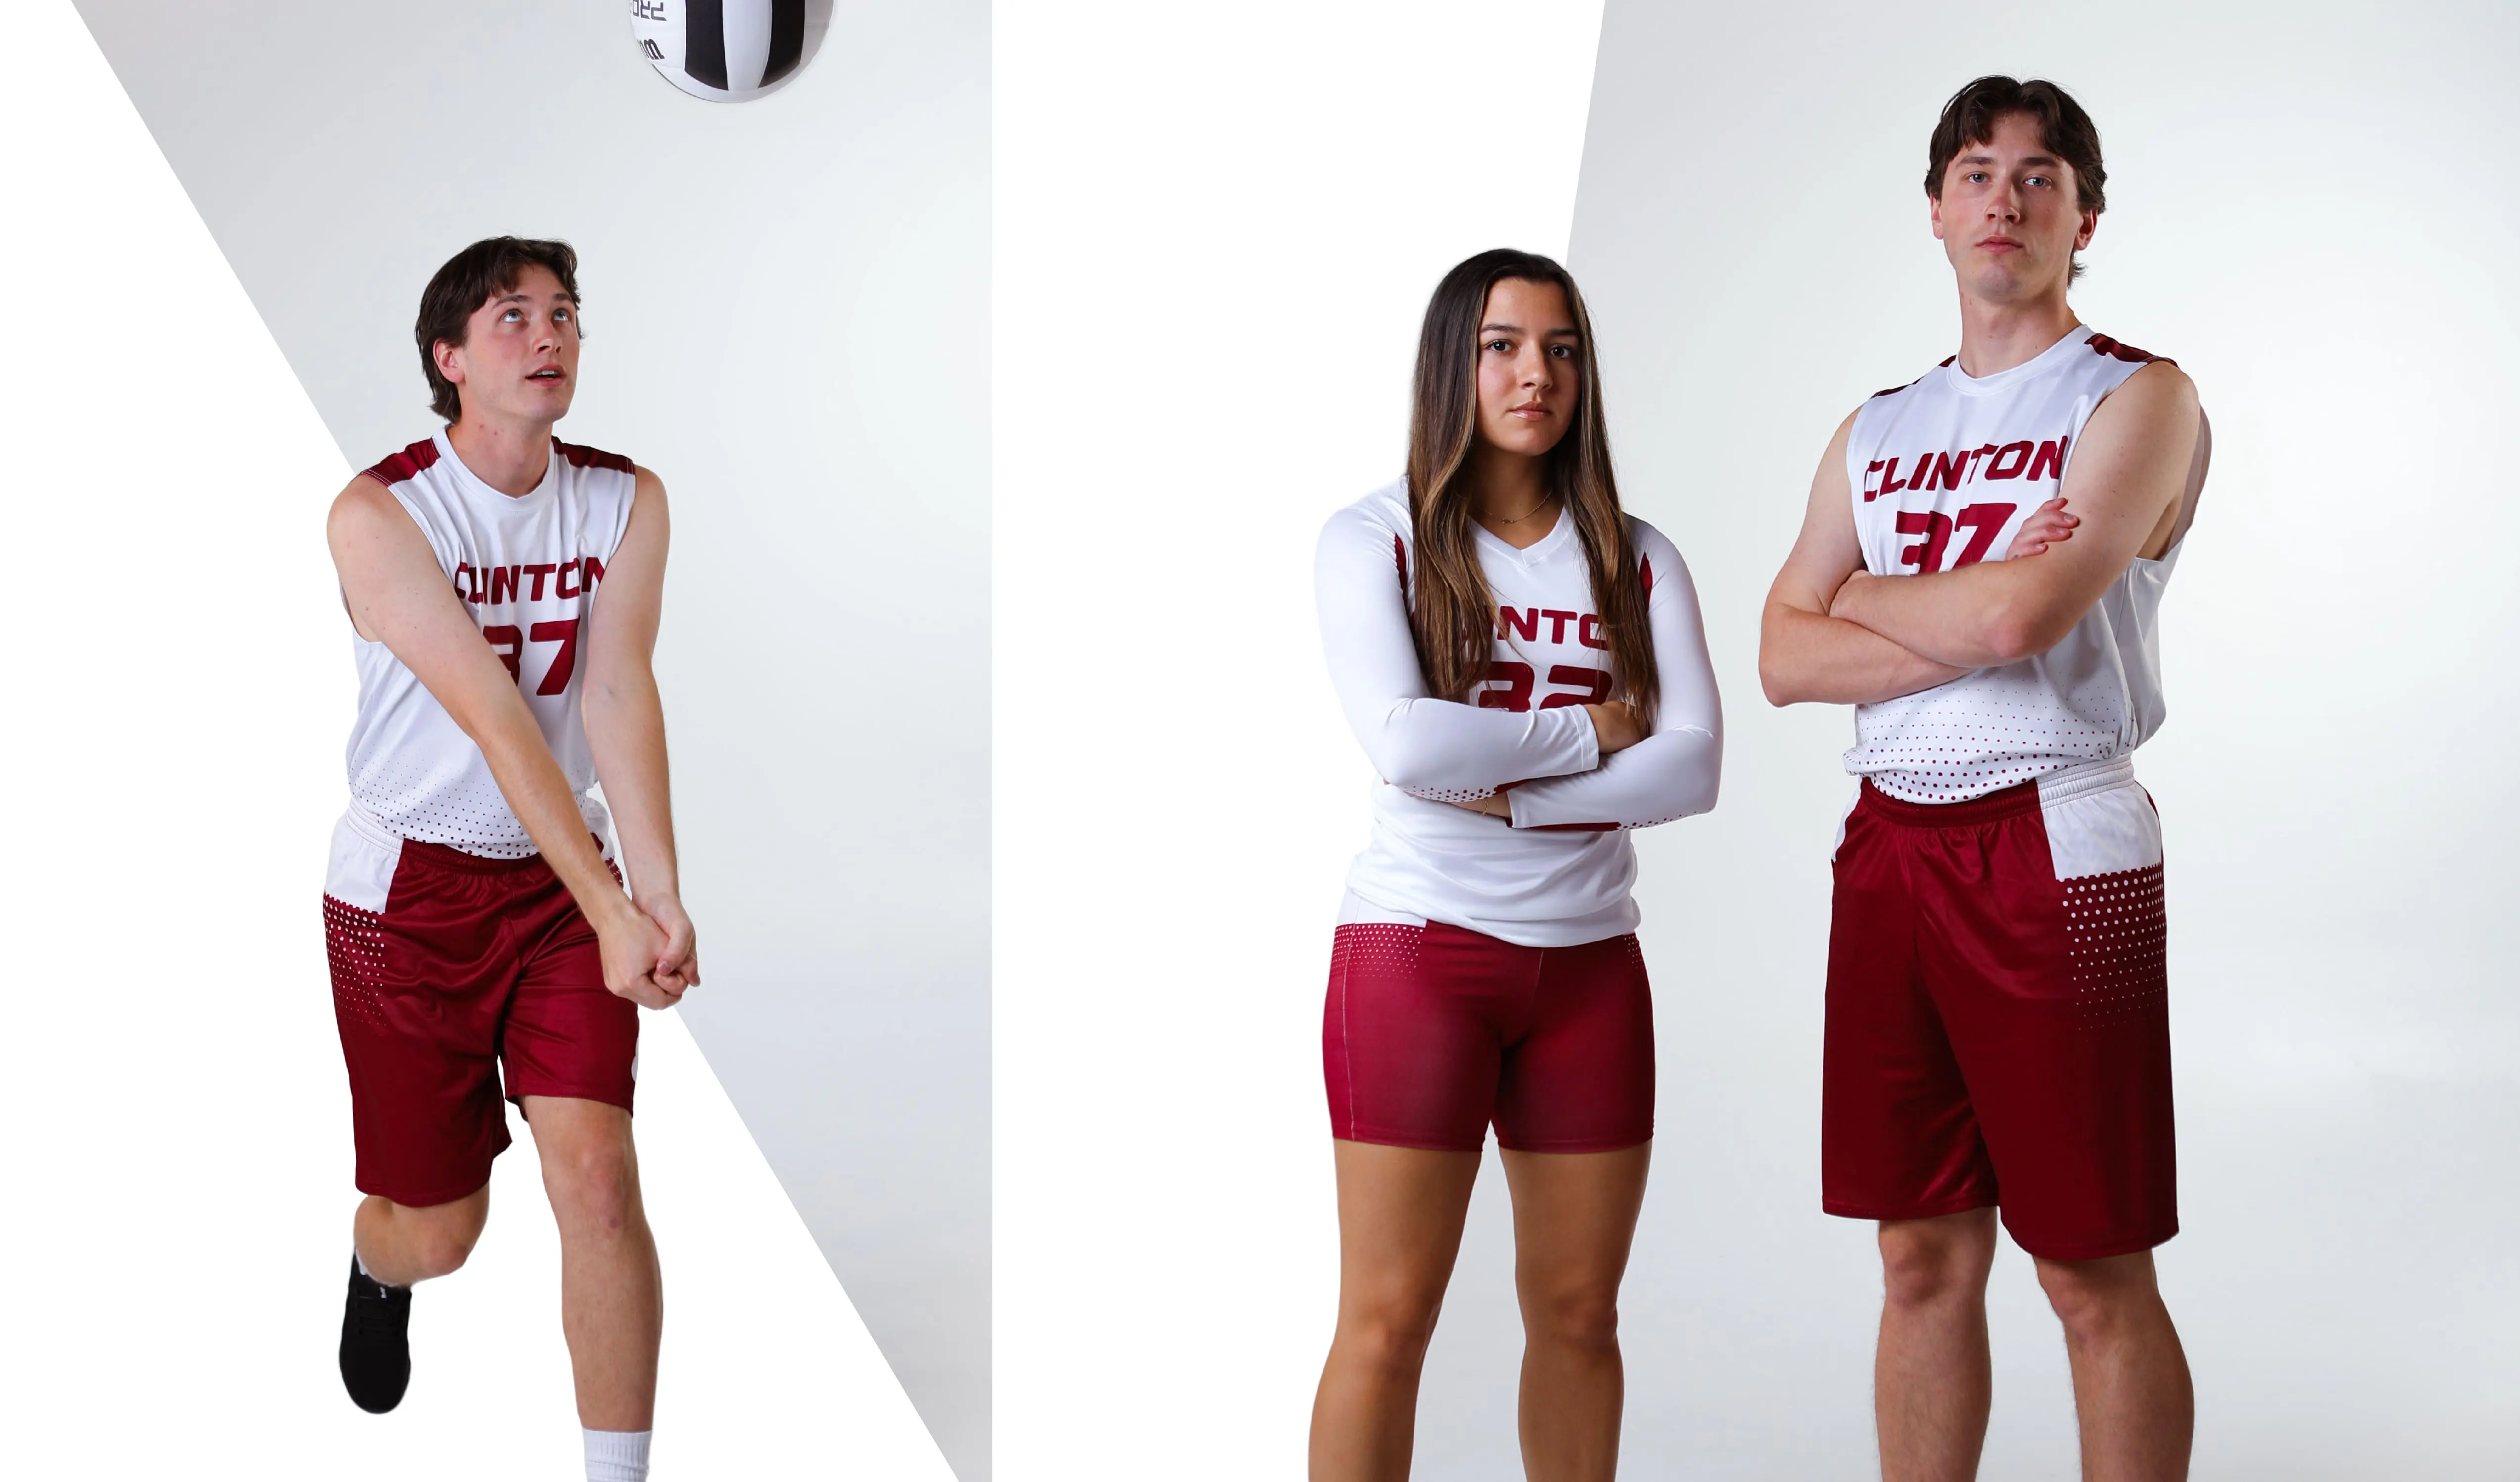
(504, 587)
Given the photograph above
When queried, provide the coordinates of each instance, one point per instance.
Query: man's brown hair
(2065, 131)
(467, 281)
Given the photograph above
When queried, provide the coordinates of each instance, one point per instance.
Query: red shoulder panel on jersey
(594, 458)
(1895, 390)
(404, 464)
(2102, 344)
(1645, 569)
(1400, 558)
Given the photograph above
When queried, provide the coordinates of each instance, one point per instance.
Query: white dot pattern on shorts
(1976, 735)
(354, 944)
(2117, 944)
(1387, 948)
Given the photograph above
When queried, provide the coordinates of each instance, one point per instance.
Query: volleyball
(729, 50)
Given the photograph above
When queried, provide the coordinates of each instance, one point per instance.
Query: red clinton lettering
(2018, 452)
(2049, 461)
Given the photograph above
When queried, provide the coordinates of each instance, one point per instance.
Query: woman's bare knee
(1389, 1328)
(1571, 1314)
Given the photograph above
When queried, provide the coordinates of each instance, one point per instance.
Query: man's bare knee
(441, 1249)
(594, 1187)
(2096, 1299)
(434, 1239)
(1928, 1263)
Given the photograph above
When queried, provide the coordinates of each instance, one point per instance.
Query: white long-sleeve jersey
(1561, 873)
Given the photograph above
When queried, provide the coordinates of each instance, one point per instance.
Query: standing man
(504, 586)
(1998, 1034)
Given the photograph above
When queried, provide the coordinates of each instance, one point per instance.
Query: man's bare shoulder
(2156, 398)
(365, 507)
(1834, 456)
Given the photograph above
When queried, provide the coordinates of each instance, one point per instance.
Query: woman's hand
(1616, 726)
(1494, 805)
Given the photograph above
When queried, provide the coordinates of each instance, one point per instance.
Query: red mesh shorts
(1432, 1032)
(1998, 1027)
(473, 965)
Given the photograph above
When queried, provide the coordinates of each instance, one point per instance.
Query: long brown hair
(1451, 614)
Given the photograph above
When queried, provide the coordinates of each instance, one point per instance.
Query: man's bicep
(628, 605)
(1825, 549)
(2130, 472)
(398, 593)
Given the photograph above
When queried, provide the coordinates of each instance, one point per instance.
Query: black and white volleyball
(729, 50)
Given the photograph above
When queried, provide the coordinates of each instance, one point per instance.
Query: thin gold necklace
(1546, 500)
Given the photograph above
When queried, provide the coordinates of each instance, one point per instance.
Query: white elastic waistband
(2085, 778)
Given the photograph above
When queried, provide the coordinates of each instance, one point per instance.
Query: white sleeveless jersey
(1944, 470)
(527, 569)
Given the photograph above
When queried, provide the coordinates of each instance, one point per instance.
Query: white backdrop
(2310, 207)
(178, 1161)
(1216, 230)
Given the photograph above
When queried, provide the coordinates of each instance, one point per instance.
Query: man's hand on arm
(625, 729)
(1805, 651)
(2130, 475)
(398, 595)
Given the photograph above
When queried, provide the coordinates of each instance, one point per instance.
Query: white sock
(617, 1456)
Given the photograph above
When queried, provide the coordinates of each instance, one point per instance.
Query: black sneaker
(375, 1342)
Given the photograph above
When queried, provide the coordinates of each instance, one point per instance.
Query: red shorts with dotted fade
(473, 966)
(1432, 1032)
(1999, 1029)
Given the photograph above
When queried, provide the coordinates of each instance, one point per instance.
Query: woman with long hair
(1525, 666)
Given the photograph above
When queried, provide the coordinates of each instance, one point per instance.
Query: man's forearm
(539, 796)
(1808, 656)
(625, 729)
(1974, 618)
